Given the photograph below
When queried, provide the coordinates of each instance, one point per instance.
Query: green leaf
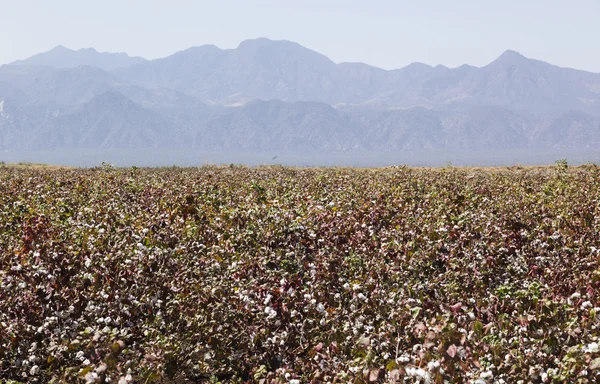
(415, 312)
(391, 365)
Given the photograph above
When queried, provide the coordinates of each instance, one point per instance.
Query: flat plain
(276, 274)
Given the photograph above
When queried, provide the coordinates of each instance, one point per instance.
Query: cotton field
(291, 275)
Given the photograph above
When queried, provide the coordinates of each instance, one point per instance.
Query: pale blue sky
(385, 33)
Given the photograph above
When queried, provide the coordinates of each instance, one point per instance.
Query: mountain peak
(60, 48)
(262, 43)
(90, 50)
(266, 50)
(511, 57)
(416, 68)
(198, 50)
(261, 39)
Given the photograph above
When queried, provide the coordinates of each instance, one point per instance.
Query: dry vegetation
(33, 166)
(299, 275)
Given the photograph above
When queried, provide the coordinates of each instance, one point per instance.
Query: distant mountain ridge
(62, 57)
(265, 69)
(270, 95)
(112, 120)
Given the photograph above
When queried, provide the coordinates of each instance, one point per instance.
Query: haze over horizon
(385, 34)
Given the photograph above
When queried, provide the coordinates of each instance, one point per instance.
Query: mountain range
(270, 96)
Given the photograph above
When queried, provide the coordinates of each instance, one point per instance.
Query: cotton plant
(299, 275)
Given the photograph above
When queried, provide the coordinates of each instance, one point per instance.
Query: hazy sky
(385, 33)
